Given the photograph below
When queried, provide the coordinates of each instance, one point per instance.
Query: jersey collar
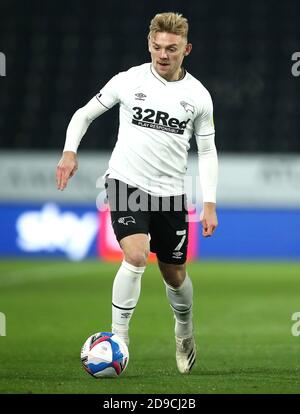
(163, 80)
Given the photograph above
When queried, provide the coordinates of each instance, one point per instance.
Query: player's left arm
(208, 171)
(208, 166)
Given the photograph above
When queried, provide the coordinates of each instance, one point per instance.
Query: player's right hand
(65, 169)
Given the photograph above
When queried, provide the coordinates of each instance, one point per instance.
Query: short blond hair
(170, 23)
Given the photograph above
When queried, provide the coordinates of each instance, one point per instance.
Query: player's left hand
(208, 219)
(66, 168)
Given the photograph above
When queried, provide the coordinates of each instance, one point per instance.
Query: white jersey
(157, 120)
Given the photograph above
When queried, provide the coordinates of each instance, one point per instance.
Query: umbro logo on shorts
(126, 220)
(177, 255)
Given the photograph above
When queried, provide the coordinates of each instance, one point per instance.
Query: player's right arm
(78, 126)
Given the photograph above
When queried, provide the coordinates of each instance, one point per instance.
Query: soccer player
(161, 107)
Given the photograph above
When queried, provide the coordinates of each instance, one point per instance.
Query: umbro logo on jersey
(126, 220)
(188, 107)
(140, 96)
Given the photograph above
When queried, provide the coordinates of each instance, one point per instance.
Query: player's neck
(177, 76)
(181, 73)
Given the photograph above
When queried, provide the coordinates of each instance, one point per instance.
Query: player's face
(167, 53)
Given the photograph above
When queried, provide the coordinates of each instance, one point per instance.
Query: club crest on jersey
(126, 220)
(140, 96)
(188, 107)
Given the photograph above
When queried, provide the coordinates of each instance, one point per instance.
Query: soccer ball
(104, 354)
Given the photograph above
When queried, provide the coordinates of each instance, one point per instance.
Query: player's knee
(174, 275)
(137, 258)
(176, 280)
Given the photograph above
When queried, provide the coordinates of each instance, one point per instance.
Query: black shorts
(134, 211)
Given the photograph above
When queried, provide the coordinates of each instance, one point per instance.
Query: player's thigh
(130, 225)
(125, 221)
(169, 236)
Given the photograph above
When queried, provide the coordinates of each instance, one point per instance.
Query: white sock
(181, 302)
(125, 295)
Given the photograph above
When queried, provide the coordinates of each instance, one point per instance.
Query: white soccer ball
(104, 354)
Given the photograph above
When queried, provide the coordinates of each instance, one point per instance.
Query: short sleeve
(110, 94)
(204, 122)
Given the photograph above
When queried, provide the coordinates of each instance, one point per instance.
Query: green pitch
(242, 315)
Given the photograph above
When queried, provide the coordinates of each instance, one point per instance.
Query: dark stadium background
(60, 53)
